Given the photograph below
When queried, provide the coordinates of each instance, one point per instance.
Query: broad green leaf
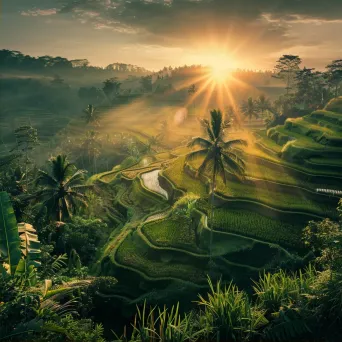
(9, 236)
(30, 245)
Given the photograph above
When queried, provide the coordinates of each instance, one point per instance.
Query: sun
(219, 73)
(220, 67)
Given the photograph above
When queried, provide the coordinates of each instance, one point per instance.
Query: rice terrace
(183, 184)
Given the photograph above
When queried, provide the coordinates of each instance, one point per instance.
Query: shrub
(86, 236)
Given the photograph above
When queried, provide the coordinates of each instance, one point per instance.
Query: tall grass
(228, 314)
(280, 289)
(154, 324)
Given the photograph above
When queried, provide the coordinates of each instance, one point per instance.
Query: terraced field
(316, 135)
(257, 223)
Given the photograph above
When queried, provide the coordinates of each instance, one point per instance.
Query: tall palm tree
(62, 188)
(263, 104)
(91, 115)
(249, 109)
(90, 146)
(219, 155)
(164, 129)
(153, 143)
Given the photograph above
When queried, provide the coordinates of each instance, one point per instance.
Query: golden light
(219, 73)
(220, 67)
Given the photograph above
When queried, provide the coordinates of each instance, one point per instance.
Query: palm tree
(153, 140)
(90, 146)
(230, 113)
(164, 129)
(249, 109)
(91, 115)
(219, 155)
(263, 104)
(62, 188)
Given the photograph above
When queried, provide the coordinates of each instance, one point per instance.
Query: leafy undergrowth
(263, 228)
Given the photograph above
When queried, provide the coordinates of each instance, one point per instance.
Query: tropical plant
(185, 205)
(9, 236)
(229, 315)
(153, 143)
(272, 118)
(91, 147)
(249, 109)
(164, 129)
(26, 138)
(91, 115)
(62, 189)
(14, 183)
(325, 239)
(155, 324)
(111, 87)
(263, 104)
(218, 154)
(276, 290)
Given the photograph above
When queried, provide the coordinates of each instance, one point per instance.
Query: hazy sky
(155, 33)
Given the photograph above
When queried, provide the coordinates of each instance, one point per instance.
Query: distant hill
(76, 72)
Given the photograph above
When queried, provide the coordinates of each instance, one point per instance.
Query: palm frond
(196, 154)
(198, 141)
(233, 164)
(45, 179)
(216, 123)
(207, 163)
(206, 126)
(76, 178)
(233, 143)
(221, 170)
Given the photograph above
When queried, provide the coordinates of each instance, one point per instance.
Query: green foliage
(185, 205)
(76, 330)
(90, 115)
(250, 109)
(30, 245)
(9, 237)
(288, 325)
(229, 315)
(325, 238)
(62, 189)
(167, 325)
(276, 290)
(85, 236)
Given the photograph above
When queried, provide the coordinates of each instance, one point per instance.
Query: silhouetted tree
(249, 109)
(111, 87)
(334, 71)
(146, 83)
(286, 69)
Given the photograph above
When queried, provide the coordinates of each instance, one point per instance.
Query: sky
(249, 34)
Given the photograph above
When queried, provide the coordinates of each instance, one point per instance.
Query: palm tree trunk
(26, 162)
(212, 213)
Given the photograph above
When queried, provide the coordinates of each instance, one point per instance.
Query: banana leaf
(9, 236)
(30, 245)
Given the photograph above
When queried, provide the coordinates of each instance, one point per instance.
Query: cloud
(38, 12)
(174, 22)
(255, 27)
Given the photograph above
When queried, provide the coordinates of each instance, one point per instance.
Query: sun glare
(219, 73)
